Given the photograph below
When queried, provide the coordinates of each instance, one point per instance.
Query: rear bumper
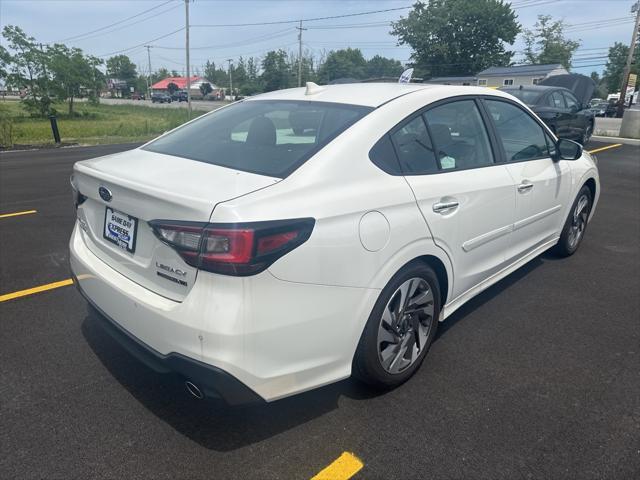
(212, 381)
(231, 334)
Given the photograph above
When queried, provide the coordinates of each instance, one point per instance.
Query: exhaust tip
(194, 390)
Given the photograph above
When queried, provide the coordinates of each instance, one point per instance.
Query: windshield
(526, 96)
(268, 137)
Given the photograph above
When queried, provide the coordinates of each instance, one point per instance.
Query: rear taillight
(233, 249)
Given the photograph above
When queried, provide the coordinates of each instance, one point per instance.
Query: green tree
(546, 43)
(122, 68)
(601, 88)
(380, 67)
(616, 61)
(457, 37)
(172, 88)
(239, 74)
(205, 89)
(72, 72)
(141, 83)
(276, 72)
(217, 76)
(5, 59)
(26, 68)
(253, 84)
(160, 74)
(345, 63)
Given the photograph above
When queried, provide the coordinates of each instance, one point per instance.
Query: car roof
(364, 94)
(532, 88)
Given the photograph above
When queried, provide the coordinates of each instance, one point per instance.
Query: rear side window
(521, 136)
(415, 151)
(459, 135)
(555, 100)
(384, 156)
(268, 137)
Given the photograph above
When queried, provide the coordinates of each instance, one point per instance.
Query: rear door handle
(525, 186)
(445, 207)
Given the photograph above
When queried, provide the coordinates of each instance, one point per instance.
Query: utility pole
(148, 47)
(230, 79)
(186, 7)
(300, 29)
(627, 67)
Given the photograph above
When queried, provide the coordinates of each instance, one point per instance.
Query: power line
(141, 44)
(130, 24)
(115, 23)
(249, 41)
(277, 22)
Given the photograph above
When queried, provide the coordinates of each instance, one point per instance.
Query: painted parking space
(18, 214)
(606, 147)
(526, 369)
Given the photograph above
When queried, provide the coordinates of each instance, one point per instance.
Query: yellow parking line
(31, 291)
(16, 214)
(343, 468)
(601, 149)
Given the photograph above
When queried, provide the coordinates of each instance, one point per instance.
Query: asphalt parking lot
(538, 377)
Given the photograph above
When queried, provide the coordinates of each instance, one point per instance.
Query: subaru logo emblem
(105, 194)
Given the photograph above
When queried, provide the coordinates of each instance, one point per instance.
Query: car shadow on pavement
(491, 292)
(216, 426)
(211, 423)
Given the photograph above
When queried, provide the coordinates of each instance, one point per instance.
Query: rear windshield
(268, 137)
(528, 97)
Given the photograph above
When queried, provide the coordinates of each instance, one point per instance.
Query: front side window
(267, 137)
(459, 135)
(571, 101)
(521, 136)
(415, 151)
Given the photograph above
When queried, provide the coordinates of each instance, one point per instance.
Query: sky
(101, 27)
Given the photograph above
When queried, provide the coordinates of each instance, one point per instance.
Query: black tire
(586, 135)
(367, 363)
(575, 224)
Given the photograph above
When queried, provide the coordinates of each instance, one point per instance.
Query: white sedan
(298, 237)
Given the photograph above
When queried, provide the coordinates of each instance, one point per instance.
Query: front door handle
(445, 207)
(525, 186)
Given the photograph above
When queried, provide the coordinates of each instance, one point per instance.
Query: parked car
(612, 108)
(562, 103)
(258, 263)
(599, 109)
(137, 96)
(179, 96)
(160, 97)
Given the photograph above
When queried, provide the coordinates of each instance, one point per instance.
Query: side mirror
(568, 149)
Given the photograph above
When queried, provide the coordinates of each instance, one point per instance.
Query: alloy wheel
(579, 221)
(405, 325)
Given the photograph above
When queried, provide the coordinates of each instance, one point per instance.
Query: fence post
(54, 128)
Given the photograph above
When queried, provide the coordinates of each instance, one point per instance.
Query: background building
(181, 83)
(518, 75)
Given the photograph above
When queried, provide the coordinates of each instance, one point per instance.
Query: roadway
(535, 378)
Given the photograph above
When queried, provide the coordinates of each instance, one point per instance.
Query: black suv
(562, 103)
(179, 96)
(160, 97)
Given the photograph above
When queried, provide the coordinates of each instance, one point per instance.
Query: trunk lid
(146, 186)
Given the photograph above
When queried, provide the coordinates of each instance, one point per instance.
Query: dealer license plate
(120, 229)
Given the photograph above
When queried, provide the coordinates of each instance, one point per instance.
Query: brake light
(233, 249)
